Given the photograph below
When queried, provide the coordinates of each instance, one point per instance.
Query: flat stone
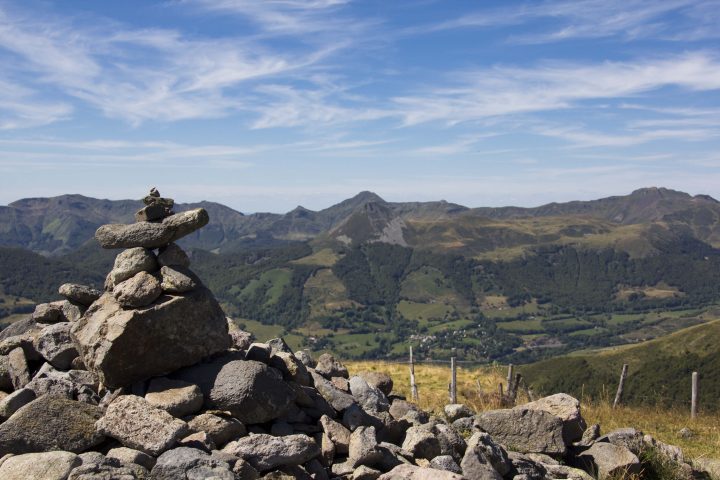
(527, 430)
(412, 472)
(150, 213)
(173, 256)
(152, 235)
(220, 429)
(45, 466)
(265, 452)
(176, 397)
(130, 262)
(176, 279)
(140, 290)
(190, 463)
(110, 469)
(137, 424)
(80, 294)
(55, 345)
(130, 455)
(51, 423)
(123, 346)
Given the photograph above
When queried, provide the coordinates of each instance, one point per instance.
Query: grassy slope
(659, 370)
(477, 388)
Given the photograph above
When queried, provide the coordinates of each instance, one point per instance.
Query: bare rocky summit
(146, 380)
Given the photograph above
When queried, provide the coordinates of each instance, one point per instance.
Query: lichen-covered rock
(130, 455)
(79, 294)
(18, 368)
(190, 463)
(607, 460)
(123, 346)
(567, 409)
(329, 367)
(370, 398)
(173, 256)
(136, 424)
(241, 339)
(176, 279)
(265, 452)
(291, 368)
(421, 442)
(333, 395)
(130, 262)
(455, 411)
(51, 423)
(55, 345)
(337, 433)
(220, 429)
(306, 358)
(176, 397)
(379, 380)
(445, 462)
(45, 466)
(363, 448)
(526, 430)
(412, 472)
(137, 291)
(15, 401)
(152, 235)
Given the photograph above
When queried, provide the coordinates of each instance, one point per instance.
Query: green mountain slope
(659, 370)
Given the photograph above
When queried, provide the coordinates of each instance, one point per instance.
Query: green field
(270, 284)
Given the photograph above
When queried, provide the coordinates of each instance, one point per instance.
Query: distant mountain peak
(366, 197)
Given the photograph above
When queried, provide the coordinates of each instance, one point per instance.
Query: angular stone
(341, 383)
(109, 469)
(244, 471)
(334, 396)
(370, 398)
(337, 433)
(190, 463)
(220, 429)
(152, 235)
(15, 401)
(306, 358)
(18, 368)
(265, 452)
(48, 313)
(241, 339)
(567, 409)
(412, 472)
(251, 391)
(451, 442)
(290, 367)
(130, 262)
(379, 380)
(455, 411)
(363, 448)
(173, 256)
(422, 443)
(606, 460)
(399, 409)
(51, 423)
(176, 280)
(523, 465)
(79, 294)
(259, 352)
(124, 346)
(176, 397)
(527, 430)
(486, 451)
(199, 440)
(130, 455)
(150, 213)
(136, 424)
(445, 462)
(137, 291)
(45, 466)
(329, 367)
(55, 345)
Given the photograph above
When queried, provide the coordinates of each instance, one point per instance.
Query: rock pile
(147, 380)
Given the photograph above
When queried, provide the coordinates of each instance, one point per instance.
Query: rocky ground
(149, 379)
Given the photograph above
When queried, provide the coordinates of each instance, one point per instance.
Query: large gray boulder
(189, 463)
(251, 391)
(51, 423)
(607, 460)
(136, 424)
(527, 430)
(123, 346)
(566, 408)
(45, 466)
(265, 452)
(152, 235)
(55, 345)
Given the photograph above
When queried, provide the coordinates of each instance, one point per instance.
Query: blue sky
(265, 105)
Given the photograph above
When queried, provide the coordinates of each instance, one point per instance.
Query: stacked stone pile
(149, 380)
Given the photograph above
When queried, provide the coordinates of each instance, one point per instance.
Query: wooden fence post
(453, 381)
(528, 392)
(512, 394)
(509, 377)
(621, 385)
(413, 387)
(501, 395)
(694, 396)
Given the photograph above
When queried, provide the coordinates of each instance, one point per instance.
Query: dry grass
(478, 389)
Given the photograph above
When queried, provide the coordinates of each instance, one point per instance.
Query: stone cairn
(149, 380)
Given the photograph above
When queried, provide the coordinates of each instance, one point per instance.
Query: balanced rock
(131, 262)
(79, 294)
(123, 346)
(176, 279)
(152, 235)
(137, 291)
(329, 367)
(173, 256)
(137, 424)
(51, 423)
